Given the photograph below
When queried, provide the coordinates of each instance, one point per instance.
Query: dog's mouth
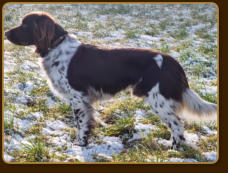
(15, 40)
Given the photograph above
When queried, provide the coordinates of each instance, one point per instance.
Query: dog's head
(37, 28)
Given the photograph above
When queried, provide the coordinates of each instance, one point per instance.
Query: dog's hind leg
(84, 120)
(167, 110)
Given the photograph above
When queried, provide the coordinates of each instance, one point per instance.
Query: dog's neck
(53, 45)
(59, 36)
(57, 41)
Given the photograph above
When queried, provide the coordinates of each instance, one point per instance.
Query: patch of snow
(23, 124)
(112, 145)
(209, 131)
(166, 143)
(135, 137)
(174, 54)
(139, 114)
(104, 156)
(142, 130)
(8, 66)
(54, 128)
(29, 66)
(149, 38)
(196, 27)
(181, 160)
(48, 132)
(145, 129)
(210, 156)
(56, 125)
(50, 102)
(21, 99)
(211, 90)
(29, 86)
(17, 137)
(7, 157)
(35, 115)
(58, 141)
(20, 86)
(13, 145)
(191, 137)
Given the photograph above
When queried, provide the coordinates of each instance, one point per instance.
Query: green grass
(209, 97)
(165, 48)
(35, 129)
(164, 24)
(208, 50)
(163, 133)
(132, 34)
(180, 34)
(8, 18)
(203, 33)
(126, 107)
(121, 127)
(151, 119)
(34, 151)
(152, 30)
(8, 125)
(116, 9)
(20, 76)
(185, 55)
(189, 152)
(40, 91)
(208, 144)
(100, 158)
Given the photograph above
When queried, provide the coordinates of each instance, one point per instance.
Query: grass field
(39, 127)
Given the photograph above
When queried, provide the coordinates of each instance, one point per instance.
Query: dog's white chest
(56, 65)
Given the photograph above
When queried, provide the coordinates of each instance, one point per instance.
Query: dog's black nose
(7, 34)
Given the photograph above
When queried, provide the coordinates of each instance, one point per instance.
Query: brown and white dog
(82, 73)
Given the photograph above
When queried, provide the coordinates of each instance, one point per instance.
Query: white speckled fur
(61, 54)
(167, 110)
(55, 65)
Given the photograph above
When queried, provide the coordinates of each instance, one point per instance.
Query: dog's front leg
(83, 113)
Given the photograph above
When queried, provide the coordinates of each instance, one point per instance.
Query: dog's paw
(82, 143)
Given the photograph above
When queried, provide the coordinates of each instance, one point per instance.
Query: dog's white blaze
(159, 60)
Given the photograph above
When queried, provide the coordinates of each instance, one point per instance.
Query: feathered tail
(196, 108)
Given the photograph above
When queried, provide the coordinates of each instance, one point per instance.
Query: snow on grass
(31, 111)
(181, 160)
(7, 157)
(191, 137)
(111, 145)
(141, 129)
(54, 127)
(23, 125)
(210, 156)
(35, 116)
(165, 143)
(209, 131)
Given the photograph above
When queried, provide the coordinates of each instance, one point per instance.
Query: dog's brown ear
(44, 31)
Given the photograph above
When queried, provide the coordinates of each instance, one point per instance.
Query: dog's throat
(57, 42)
